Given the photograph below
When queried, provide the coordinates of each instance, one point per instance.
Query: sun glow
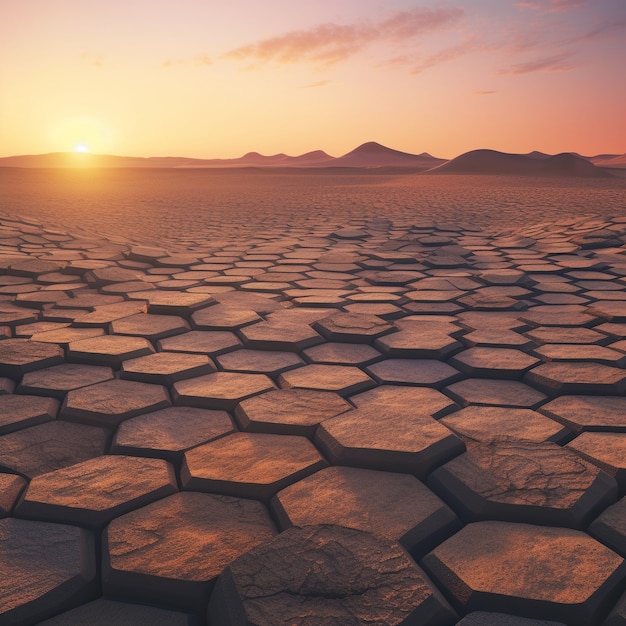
(81, 147)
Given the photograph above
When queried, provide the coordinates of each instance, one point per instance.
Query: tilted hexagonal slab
(492, 423)
(104, 612)
(169, 432)
(280, 334)
(18, 356)
(606, 450)
(113, 401)
(44, 568)
(352, 327)
(610, 527)
(50, 446)
(539, 483)
(289, 411)
(494, 391)
(342, 379)
(332, 353)
(267, 362)
(202, 342)
(494, 362)
(613, 311)
(387, 439)
(578, 352)
(223, 317)
(391, 505)
(582, 413)
(331, 575)
(249, 465)
(173, 550)
(58, 380)
(426, 372)
(577, 377)
(109, 350)
(162, 302)
(18, 411)
(11, 486)
(415, 342)
(486, 567)
(150, 326)
(221, 390)
(165, 368)
(95, 491)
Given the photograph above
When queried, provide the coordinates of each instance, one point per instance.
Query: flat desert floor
(311, 398)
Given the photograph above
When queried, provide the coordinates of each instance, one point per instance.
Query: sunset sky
(215, 78)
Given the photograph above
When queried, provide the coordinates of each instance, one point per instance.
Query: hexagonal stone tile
(11, 486)
(267, 362)
(162, 302)
(223, 317)
(18, 356)
(280, 334)
(17, 411)
(387, 439)
(536, 317)
(485, 567)
(352, 328)
(202, 342)
(95, 491)
(109, 350)
(610, 527)
(289, 411)
(413, 342)
(50, 446)
(492, 391)
(494, 362)
(539, 483)
(496, 338)
(426, 372)
(611, 310)
(578, 352)
(332, 353)
(249, 465)
(220, 390)
(577, 377)
(493, 423)
(484, 618)
(103, 315)
(169, 432)
(342, 379)
(150, 326)
(606, 450)
(582, 413)
(393, 397)
(165, 368)
(104, 612)
(391, 505)
(567, 334)
(44, 568)
(65, 336)
(58, 380)
(171, 551)
(111, 402)
(326, 575)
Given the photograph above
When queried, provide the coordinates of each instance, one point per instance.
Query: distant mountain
(372, 154)
(493, 162)
(609, 160)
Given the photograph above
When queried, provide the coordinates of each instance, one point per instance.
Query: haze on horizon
(214, 79)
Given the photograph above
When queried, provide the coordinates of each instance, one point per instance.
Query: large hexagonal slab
(289, 411)
(11, 486)
(400, 398)
(487, 566)
(577, 377)
(44, 568)
(18, 356)
(326, 575)
(493, 391)
(165, 368)
(494, 362)
(425, 372)
(249, 465)
(171, 551)
(582, 413)
(109, 350)
(18, 411)
(387, 439)
(353, 328)
(539, 483)
(342, 379)
(58, 380)
(391, 505)
(113, 401)
(95, 491)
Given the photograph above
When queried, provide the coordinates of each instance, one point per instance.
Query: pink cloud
(550, 6)
(331, 43)
(562, 62)
(469, 46)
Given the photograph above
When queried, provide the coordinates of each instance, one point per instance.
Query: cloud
(469, 46)
(331, 43)
(562, 62)
(199, 61)
(551, 6)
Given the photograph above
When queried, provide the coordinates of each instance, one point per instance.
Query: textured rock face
(173, 550)
(324, 575)
(556, 573)
(522, 481)
(44, 568)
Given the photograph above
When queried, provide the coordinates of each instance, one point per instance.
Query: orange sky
(208, 78)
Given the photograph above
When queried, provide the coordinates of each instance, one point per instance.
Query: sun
(81, 147)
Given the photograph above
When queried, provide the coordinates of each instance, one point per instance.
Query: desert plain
(312, 397)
